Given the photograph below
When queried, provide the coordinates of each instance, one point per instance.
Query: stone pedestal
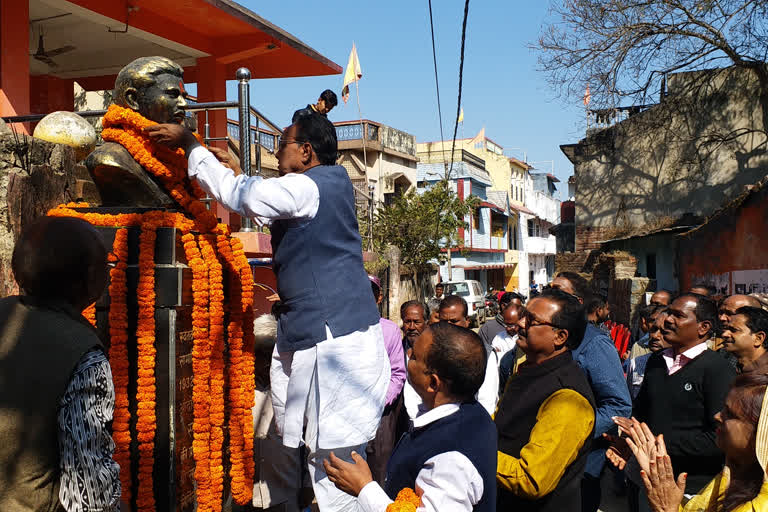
(174, 464)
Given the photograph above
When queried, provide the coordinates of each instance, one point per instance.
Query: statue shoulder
(122, 181)
(111, 154)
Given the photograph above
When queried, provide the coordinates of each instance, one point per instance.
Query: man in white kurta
(329, 394)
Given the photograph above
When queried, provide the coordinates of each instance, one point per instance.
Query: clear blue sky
(502, 90)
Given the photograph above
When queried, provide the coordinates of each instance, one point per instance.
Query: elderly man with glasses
(546, 416)
(330, 371)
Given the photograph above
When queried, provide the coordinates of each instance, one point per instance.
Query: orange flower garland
(118, 359)
(146, 421)
(247, 383)
(406, 501)
(201, 361)
(89, 314)
(217, 366)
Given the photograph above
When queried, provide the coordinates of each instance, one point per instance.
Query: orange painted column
(212, 86)
(14, 59)
(49, 94)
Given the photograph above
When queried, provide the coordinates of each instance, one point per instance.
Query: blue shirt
(599, 359)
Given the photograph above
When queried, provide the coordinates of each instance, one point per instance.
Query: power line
(461, 78)
(437, 83)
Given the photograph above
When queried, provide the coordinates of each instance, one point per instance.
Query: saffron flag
(352, 74)
(587, 97)
(461, 116)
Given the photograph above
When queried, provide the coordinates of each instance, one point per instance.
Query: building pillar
(49, 94)
(14, 59)
(212, 86)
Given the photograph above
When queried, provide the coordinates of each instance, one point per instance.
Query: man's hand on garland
(172, 135)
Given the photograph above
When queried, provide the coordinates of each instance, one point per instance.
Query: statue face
(163, 101)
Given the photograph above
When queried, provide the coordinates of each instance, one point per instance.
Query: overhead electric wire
(461, 78)
(437, 82)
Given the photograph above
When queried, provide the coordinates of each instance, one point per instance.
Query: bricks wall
(587, 237)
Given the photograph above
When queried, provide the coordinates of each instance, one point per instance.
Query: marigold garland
(201, 361)
(208, 245)
(146, 421)
(406, 501)
(89, 314)
(118, 359)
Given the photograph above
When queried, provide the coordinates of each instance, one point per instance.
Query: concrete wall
(35, 176)
(685, 155)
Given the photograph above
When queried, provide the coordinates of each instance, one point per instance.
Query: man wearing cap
(380, 448)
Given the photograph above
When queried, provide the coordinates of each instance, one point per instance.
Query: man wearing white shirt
(453, 309)
(324, 393)
(449, 469)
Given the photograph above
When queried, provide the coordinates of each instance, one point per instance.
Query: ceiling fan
(47, 56)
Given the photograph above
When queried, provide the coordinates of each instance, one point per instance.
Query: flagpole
(365, 163)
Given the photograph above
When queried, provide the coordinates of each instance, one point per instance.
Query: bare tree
(623, 49)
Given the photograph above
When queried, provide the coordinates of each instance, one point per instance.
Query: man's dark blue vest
(469, 431)
(319, 268)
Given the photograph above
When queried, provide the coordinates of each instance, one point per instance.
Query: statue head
(153, 87)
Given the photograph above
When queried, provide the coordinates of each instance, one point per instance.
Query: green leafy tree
(421, 225)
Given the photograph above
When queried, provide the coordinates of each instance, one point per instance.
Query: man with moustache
(414, 315)
(546, 416)
(324, 393)
(746, 337)
(598, 358)
(684, 387)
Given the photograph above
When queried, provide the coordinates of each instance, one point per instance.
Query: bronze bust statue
(153, 87)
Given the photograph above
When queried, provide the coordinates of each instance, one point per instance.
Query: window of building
(476, 220)
(513, 237)
(530, 227)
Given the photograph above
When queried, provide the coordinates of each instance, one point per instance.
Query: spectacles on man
(281, 142)
(532, 321)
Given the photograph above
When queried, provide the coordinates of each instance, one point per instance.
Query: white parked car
(472, 292)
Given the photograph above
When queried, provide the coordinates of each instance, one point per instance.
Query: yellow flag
(461, 115)
(352, 74)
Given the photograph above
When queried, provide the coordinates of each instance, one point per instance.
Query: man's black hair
(580, 285)
(454, 300)
(508, 297)
(711, 290)
(757, 320)
(705, 311)
(321, 134)
(414, 303)
(648, 312)
(329, 97)
(439, 285)
(571, 316)
(596, 302)
(54, 256)
(376, 290)
(457, 356)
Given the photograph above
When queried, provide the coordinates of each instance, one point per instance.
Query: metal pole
(257, 145)
(243, 76)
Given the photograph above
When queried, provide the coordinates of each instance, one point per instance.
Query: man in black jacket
(684, 387)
